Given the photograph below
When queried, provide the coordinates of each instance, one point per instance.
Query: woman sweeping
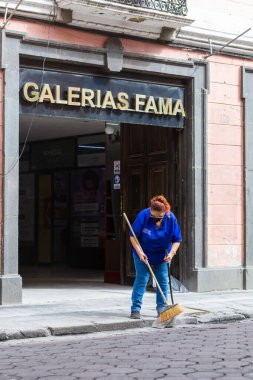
(159, 235)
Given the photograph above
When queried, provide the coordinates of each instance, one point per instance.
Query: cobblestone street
(199, 352)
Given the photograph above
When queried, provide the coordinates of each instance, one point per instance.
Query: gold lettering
(58, 99)
(46, 94)
(72, 96)
(165, 107)
(151, 106)
(123, 104)
(98, 97)
(84, 97)
(109, 101)
(139, 102)
(87, 95)
(34, 95)
(179, 108)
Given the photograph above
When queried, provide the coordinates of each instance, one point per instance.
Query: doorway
(71, 202)
(149, 167)
(62, 199)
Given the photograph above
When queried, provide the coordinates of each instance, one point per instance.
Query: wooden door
(148, 169)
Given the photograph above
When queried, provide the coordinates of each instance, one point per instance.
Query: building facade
(106, 103)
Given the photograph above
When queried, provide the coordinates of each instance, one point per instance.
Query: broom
(171, 310)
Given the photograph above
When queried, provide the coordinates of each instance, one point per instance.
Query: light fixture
(109, 130)
(91, 147)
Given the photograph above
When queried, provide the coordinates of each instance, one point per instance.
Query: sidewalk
(77, 308)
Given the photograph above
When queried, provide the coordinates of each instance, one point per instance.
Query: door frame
(17, 45)
(144, 163)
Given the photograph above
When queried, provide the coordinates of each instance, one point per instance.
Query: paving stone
(184, 353)
(205, 367)
(205, 375)
(248, 375)
(122, 370)
(176, 371)
(53, 377)
(232, 377)
(113, 377)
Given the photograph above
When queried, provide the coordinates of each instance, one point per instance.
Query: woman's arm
(141, 254)
(172, 252)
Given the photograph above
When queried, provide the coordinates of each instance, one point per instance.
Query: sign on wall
(58, 94)
(53, 154)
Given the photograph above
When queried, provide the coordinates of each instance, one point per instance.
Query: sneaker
(135, 314)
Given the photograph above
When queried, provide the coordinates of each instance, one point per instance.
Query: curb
(74, 330)
(222, 318)
(184, 320)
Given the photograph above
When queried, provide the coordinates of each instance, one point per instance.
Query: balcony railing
(176, 7)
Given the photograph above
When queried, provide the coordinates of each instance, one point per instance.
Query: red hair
(160, 199)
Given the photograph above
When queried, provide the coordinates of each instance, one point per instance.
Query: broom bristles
(170, 312)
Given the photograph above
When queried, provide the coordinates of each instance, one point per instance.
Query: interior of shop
(63, 194)
(70, 195)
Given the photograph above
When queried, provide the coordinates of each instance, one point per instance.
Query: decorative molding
(114, 54)
(175, 7)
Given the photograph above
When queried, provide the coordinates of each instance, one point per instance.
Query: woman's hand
(142, 256)
(169, 257)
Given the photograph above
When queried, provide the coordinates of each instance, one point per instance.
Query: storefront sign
(99, 98)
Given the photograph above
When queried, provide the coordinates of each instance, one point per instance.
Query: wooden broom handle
(146, 261)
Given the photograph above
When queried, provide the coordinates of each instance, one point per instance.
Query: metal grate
(176, 7)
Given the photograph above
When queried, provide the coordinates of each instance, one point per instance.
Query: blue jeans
(141, 280)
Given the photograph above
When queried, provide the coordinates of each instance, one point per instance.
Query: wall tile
(225, 114)
(225, 234)
(225, 175)
(225, 195)
(225, 255)
(225, 155)
(224, 93)
(225, 134)
(225, 215)
(225, 73)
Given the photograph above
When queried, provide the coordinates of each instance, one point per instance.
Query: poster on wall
(26, 208)
(87, 207)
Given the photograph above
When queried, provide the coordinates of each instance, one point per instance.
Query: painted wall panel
(225, 134)
(224, 174)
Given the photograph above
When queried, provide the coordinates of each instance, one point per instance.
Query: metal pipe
(12, 13)
(6, 12)
(230, 42)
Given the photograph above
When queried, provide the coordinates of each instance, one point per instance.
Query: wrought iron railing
(176, 7)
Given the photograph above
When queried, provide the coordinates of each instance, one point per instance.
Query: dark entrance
(149, 167)
(62, 198)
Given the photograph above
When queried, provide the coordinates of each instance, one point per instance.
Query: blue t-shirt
(153, 240)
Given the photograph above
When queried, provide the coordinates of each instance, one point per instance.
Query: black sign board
(53, 154)
(87, 97)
